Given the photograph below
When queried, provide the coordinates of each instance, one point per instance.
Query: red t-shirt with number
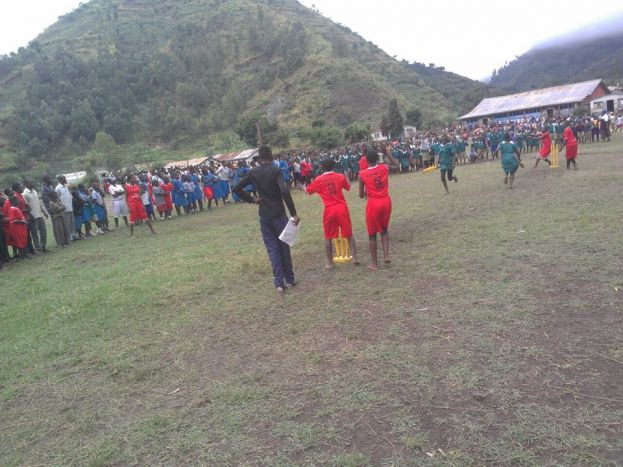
(336, 218)
(375, 179)
(329, 187)
(379, 206)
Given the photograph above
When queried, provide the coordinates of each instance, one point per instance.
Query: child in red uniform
(19, 229)
(330, 186)
(374, 182)
(6, 217)
(135, 205)
(363, 163)
(167, 187)
(570, 142)
(546, 148)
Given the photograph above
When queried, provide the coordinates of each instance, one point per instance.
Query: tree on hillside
(413, 117)
(104, 143)
(278, 139)
(247, 129)
(83, 122)
(356, 133)
(394, 119)
(325, 137)
(384, 125)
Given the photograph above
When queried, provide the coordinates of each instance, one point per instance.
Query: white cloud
(23, 20)
(468, 37)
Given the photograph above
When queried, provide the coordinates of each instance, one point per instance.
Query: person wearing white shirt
(64, 195)
(119, 206)
(36, 221)
(223, 174)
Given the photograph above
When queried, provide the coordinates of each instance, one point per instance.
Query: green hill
(185, 74)
(571, 59)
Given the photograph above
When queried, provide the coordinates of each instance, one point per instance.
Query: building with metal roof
(229, 157)
(549, 101)
(187, 163)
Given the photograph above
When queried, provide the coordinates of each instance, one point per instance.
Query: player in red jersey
(546, 148)
(374, 181)
(329, 186)
(135, 205)
(571, 144)
(363, 163)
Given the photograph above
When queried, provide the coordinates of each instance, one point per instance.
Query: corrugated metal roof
(187, 163)
(236, 156)
(537, 98)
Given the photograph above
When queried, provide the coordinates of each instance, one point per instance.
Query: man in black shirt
(267, 180)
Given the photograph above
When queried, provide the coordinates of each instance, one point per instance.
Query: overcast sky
(468, 37)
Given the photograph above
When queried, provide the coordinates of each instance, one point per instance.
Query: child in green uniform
(405, 162)
(461, 146)
(510, 159)
(354, 163)
(446, 162)
(417, 158)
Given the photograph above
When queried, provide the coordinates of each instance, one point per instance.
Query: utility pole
(260, 135)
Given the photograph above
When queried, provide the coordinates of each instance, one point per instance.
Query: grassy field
(494, 337)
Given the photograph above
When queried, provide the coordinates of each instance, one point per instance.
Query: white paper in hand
(290, 233)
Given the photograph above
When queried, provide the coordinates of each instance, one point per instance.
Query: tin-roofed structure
(228, 157)
(561, 99)
(187, 163)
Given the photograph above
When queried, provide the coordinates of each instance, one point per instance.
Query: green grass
(494, 337)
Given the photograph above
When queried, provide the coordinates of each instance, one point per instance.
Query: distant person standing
(223, 174)
(604, 126)
(65, 197)
(36, 221)
(59, 226)
(46, 188)
(119, 206)
(267, 179)
(136, 207)
(594, 130)
(19, 229)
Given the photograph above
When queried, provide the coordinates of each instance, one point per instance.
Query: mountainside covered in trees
(591, 53)
(174, 72)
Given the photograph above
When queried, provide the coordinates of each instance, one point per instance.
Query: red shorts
(572, 151)
(208, 192)
(378, 212)
(162, 207)
(544, 152)
(337, 218)
(137, 211)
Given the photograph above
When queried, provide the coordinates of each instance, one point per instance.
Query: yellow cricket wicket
(342, 250)
(555, 164)
(430, 169)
